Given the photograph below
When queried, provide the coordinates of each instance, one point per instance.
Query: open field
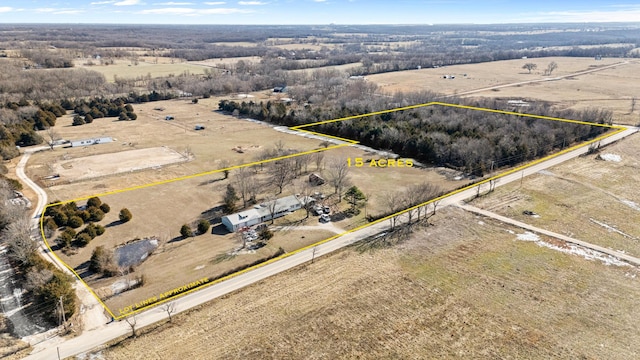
(609, 89)
(225, 61)
(343, 67)
(586, 198)
(462, 288)
(127, 69)
(160, 210)
(96, 166)
(150, 130)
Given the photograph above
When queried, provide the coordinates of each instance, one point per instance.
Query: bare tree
(224, 164)
(169, 308)
(337, 175)
(552, 66)
(272, 205)
(282, 172)
(245, 180)
(53, 136)
(392, 203)
(318, 159)
(530, 66)
(18, 236)
(132, 321)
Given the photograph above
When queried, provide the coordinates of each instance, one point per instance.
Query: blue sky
(315, 11)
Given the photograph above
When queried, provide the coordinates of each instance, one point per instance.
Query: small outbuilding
(316, 179)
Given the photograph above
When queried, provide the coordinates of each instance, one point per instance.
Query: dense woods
(469, 140)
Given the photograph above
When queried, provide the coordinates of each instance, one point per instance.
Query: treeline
(469, 140)
(45, 284)
(48, 58)
(19, 122)
(17, 83)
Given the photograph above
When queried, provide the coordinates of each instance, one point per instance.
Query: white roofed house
(263, 212)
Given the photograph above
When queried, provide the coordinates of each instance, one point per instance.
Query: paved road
(94, 338)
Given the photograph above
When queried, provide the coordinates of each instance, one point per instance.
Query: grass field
(609, 89)
(462, 288)
(159, 211)
(127, 69)
(586, 198)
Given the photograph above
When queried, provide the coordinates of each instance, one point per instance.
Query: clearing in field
(183, 264)
(95, 166)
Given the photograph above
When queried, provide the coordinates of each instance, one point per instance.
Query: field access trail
(620, 255)
(539, 80)
(93, 338)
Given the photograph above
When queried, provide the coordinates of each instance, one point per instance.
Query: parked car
(318, 210)
(326, 209)
(325, 218)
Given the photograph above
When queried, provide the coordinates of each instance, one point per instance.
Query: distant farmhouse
(94, 141)
(261, 213)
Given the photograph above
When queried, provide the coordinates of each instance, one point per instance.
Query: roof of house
(262, 210)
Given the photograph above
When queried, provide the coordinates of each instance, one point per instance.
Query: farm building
(261, 213)
(316, 179)
(93, 141)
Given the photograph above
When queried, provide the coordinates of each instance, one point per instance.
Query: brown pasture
(461, 288)
(610, 89)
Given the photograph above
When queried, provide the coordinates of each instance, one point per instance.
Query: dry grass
(609, 89)
(459, 289)
(580, 197)
(128, 69)
(161, 210)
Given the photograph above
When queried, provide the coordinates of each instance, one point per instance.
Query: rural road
(94, 338)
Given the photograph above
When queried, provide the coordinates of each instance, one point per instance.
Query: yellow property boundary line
(348, 142)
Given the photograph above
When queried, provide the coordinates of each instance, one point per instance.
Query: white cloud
(250, 3)
(192, 12)
(174, 11)
(69, 11)
(127, 3)
(63, 11)
(173, 3)
(214, 3)
(102, 2)
(320, 1)
(223, 11)
(4, 9)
